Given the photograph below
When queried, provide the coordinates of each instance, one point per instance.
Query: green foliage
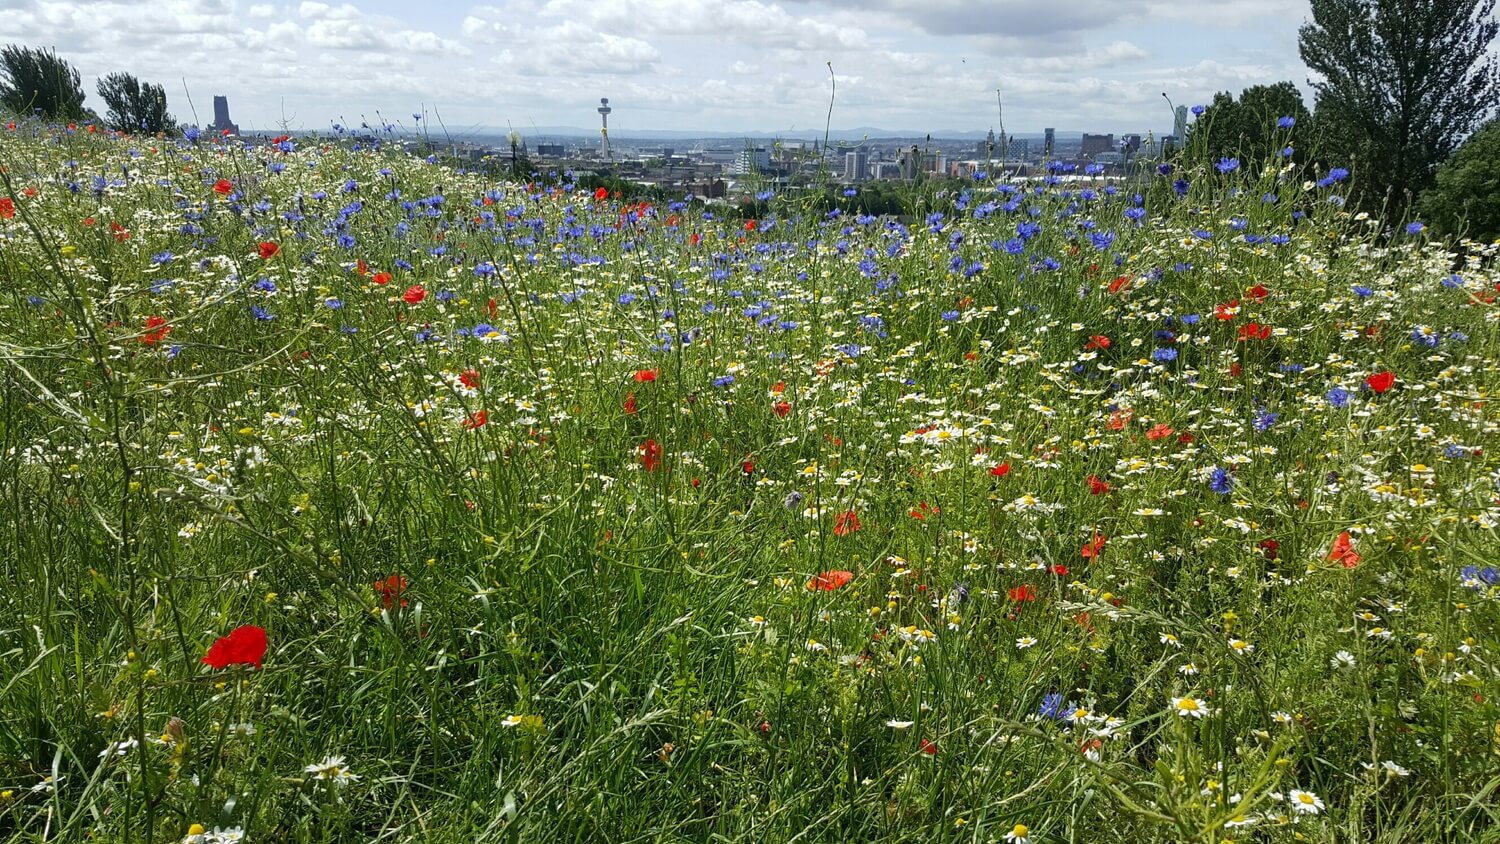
(1247, 128)
(1401, 83)
(36, 80)
(1466, 198)
(135, 106)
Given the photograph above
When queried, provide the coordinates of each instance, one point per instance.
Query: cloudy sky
(725, 65)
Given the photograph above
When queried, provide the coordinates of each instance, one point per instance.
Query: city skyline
(679, 65)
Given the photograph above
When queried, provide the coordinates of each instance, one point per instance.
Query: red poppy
(845, 523)
(7, 207)
(1118, 419)
(1227, 311)
(928, 747)
(391, 589)
(244, 645)
(1259, 292)
(1255, 331)
(1021, 593)
(1381, 381)
(1093, 547)
(268, 249)
(1058, 569)
(414, 294)
(1096, 341)
(1120, 283)
(747, 467)
(1343, 551)
(1096, 486)
(1160, 432)
(1270, 548)
(693, 241)
(923, 510)
(829, 581)
(645, 376)
(156, 329)
(1001, 470)
(781, 409)
(381, 278)
(650, 452)
(475, 420)
(120, 232)
(469, 378)
(629, 404)
(223, 186)
(601, 194)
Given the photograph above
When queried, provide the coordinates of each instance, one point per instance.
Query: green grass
(521, 631)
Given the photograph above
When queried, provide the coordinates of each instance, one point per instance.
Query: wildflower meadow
(352, 496)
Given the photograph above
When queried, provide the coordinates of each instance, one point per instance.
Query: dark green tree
(1401, 83)
(1466, 198)
(1248, 129)
(36, 79)
(135, 106)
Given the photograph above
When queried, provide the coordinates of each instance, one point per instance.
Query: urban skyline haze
(684, 65)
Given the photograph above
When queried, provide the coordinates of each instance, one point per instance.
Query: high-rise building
(752, 160)
(987, 148)
(221, 116)
(1179, 126)
(1050, 140)
(856, 165)
(1095, 144)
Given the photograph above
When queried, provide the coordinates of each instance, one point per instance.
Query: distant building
(1179, 126)
(987, 148)
(856, 165)
(551, 150)
(1095, 144)
(221, 117)
(1049, 142)
(752, 160)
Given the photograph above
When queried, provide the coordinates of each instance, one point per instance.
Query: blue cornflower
(173, 351)
(765, 195)
(261, 313)
(1053, 706)
(1264, 420)
(723, 380)
(161, 258)
(1455, 452)
(1426, 335)
(1163, 169)
(1286, 122)
(1363, 292)
(1219, 481)
(1164, 355)
(333, 304)
(949, 316)
(1198, 110)
(1227, 165)
(626, 298)
(265, 285)
(1478, 578)
(1415, 227)
(1180, 187)
(1338, 397)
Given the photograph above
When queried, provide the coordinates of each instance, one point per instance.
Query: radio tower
(604, 111)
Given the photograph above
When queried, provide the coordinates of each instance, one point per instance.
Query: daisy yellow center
(1019, 830)
(1188, 704)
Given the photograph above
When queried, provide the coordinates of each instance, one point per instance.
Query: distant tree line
(37, 81)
